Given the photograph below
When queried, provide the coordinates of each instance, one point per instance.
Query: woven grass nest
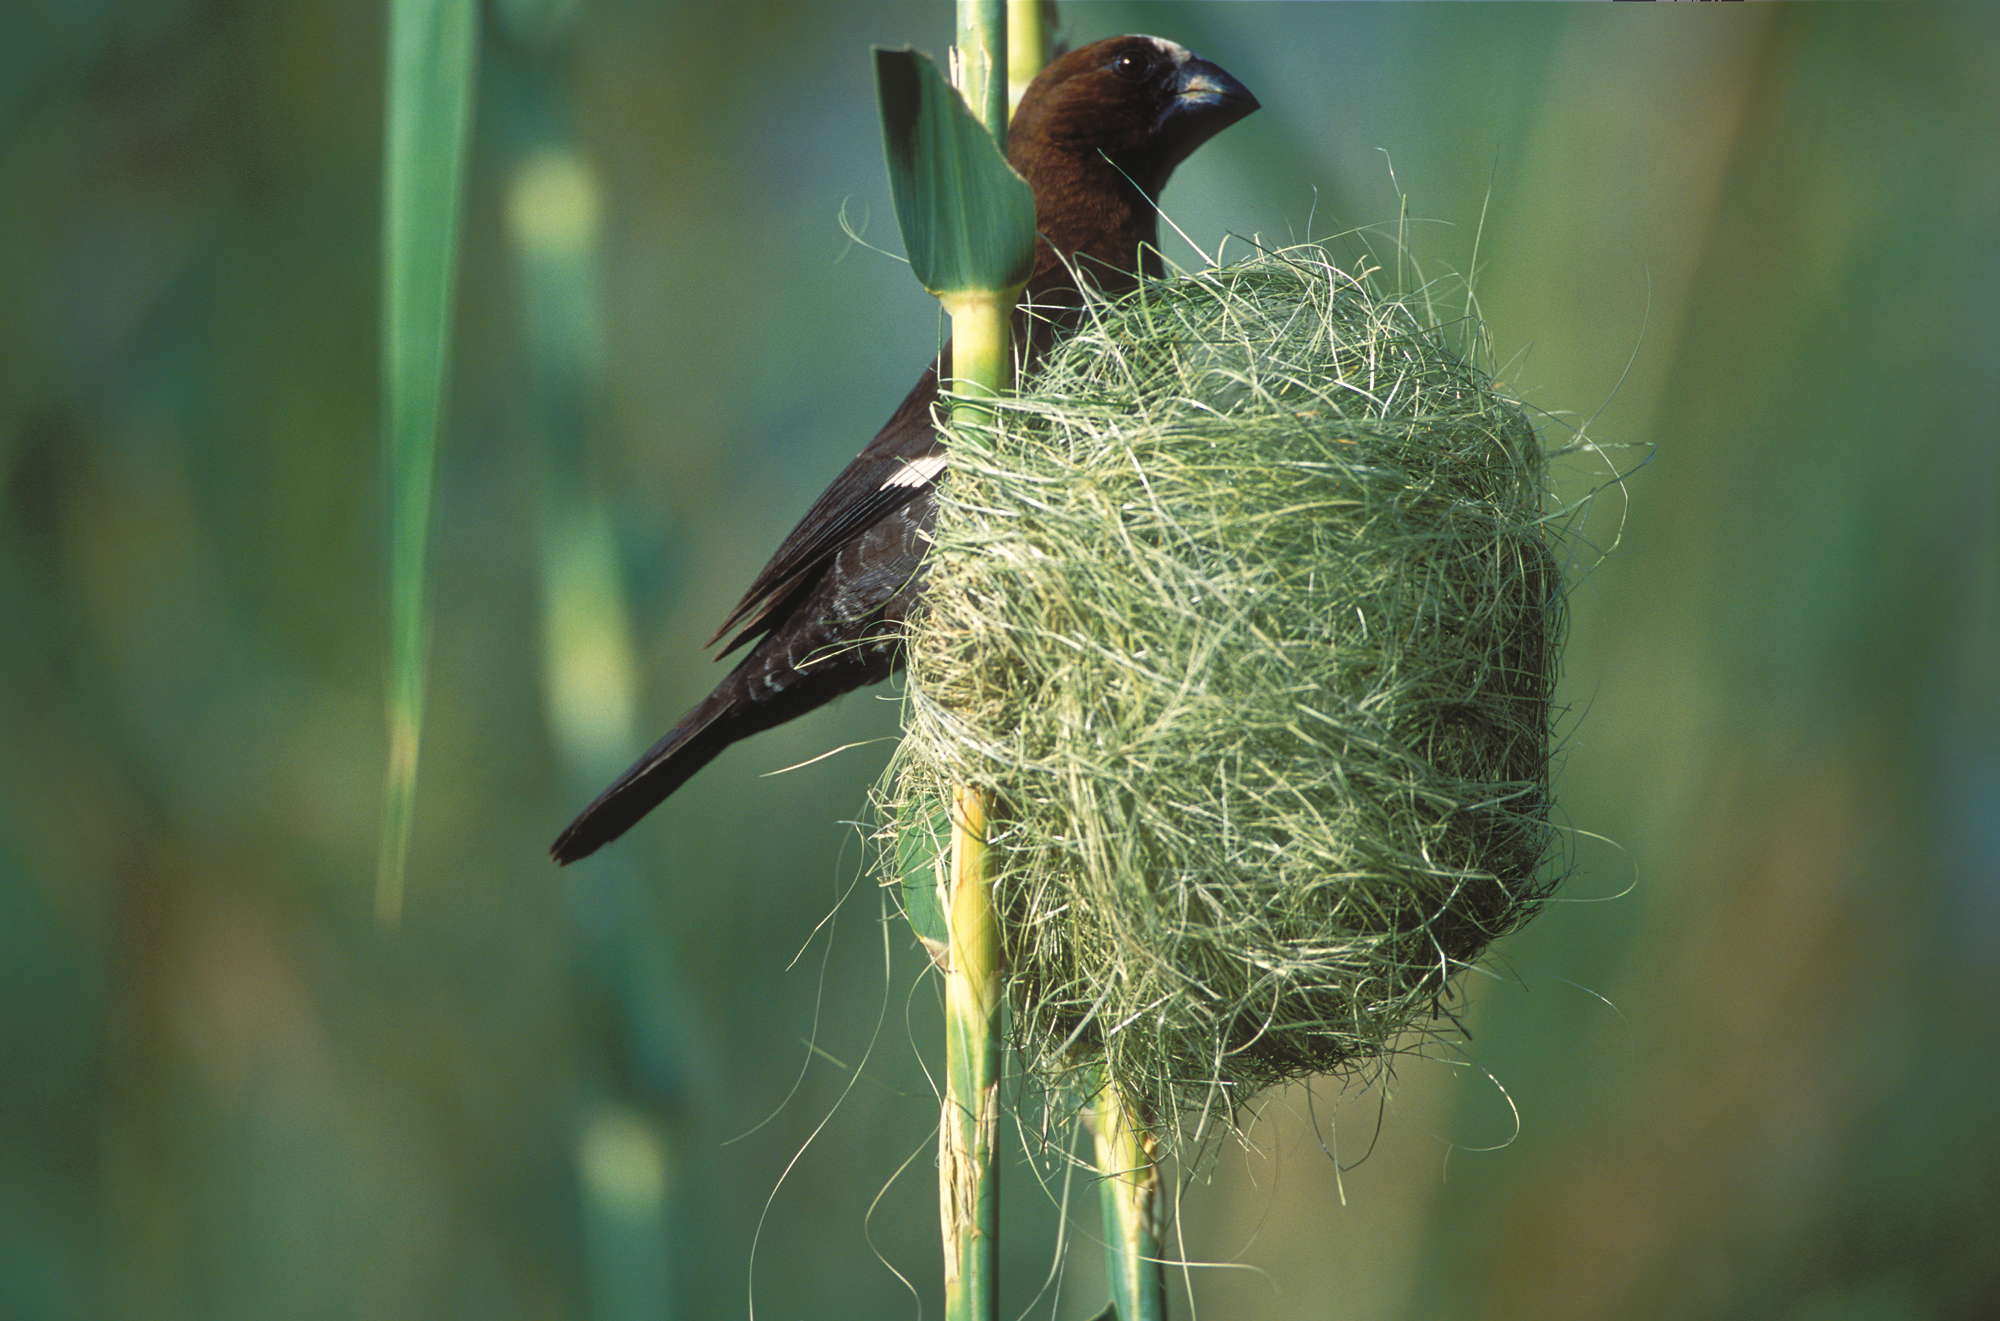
(1244, 612)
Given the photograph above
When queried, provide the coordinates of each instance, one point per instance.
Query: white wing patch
(915, 472)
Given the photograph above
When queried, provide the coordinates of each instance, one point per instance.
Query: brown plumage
(1096, 136)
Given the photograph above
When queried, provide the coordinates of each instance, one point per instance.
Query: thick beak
(1205, 101)
(1205, 85)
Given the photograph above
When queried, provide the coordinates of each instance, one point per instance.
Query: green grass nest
(1244, 611)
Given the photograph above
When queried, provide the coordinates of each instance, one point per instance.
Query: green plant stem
(1029, 26)
(968, 1176)
(1130, 1196)
(982, 360)
(982, 61)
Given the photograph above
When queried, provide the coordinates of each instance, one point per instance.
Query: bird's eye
(1133, 65)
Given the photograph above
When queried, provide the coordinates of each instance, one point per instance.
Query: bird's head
(1143, 104)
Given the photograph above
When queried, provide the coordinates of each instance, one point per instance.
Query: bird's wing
(904, 458)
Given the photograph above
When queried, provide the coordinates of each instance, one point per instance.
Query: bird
(1096, 136)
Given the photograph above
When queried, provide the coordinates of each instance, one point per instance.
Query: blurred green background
(1739, 1072)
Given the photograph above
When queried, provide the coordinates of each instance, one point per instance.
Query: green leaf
(968, 220)
(431, 61)
(919, 847)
